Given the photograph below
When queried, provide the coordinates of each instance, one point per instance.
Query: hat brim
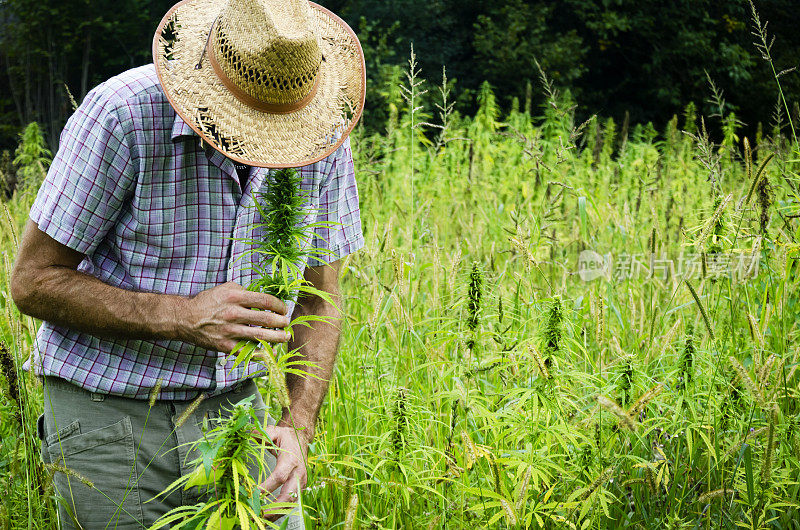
(243, 133)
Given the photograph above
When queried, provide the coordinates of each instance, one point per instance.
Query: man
(135, 254)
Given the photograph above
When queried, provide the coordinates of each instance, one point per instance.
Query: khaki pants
(110, 441)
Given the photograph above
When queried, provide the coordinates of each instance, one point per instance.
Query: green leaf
(208, 452)
(245, 350)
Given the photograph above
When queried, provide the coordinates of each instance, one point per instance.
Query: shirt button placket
(219, 373)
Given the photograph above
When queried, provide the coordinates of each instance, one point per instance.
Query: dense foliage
(485, 380)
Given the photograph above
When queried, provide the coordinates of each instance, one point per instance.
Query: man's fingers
(290, 488)
(274, 432)
(255, 334)
(289, 474)
(263, 301)
(226, 345)
(288, 494)
(267, 319)
(271, 441)
(278, 477)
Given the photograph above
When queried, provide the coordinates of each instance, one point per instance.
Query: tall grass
(26, 484)
(642, 402)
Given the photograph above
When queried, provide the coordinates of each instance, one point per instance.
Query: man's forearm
(317, 344)
(81, 302)
(46, 284)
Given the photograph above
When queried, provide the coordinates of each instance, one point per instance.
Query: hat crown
(268, 48)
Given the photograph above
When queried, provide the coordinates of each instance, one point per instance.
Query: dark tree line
(648, 58)
(50, 49)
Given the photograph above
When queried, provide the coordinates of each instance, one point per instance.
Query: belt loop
(97, 397)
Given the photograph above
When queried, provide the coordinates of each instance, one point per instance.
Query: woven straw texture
(278, 75)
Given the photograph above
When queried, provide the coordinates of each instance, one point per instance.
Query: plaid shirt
(134, 189)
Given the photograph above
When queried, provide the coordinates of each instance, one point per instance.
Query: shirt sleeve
(339, 218)
(89, 178)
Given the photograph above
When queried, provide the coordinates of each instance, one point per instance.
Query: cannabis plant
(227, 472)
(232, 448)
(285, 245)
(32, 158)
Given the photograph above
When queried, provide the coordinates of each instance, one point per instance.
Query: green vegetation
(222, 471)
(530, 398)
(484, 382)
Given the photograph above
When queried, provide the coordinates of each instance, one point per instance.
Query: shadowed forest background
(643, 58)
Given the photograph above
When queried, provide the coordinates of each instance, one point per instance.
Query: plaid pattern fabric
(134, 189)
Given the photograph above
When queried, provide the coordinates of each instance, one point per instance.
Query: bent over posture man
(135, 254)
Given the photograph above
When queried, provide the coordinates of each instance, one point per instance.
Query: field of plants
(553, 325)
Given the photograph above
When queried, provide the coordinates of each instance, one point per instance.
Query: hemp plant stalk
(236, 446)
(286, 244)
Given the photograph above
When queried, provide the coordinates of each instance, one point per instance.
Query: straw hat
(270, 83)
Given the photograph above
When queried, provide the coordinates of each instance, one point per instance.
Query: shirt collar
(181, 128)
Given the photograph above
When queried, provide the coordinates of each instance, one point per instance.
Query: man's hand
(220, 317)
(290, 472)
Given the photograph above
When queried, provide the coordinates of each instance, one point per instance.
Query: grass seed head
(399, 271)
(646, 398)
(716, 494)
(713, 224)
(435, 522)
(508, 511)
(764, 202)
(455, 262)
(60, 467)
(755, 331)
(189, 410)
(650, 479)
(611, 406)
(540, 364)
(471, 452)
(700, 306)
(154, 392)
(765, 371)
(599, 316)
(500, 312)
(667, 338)
(687, 357)
(737, 446)
(350, 516)
(275, 376)
(523, 489)
(601, 479)
(746, 380)
(495, 473)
